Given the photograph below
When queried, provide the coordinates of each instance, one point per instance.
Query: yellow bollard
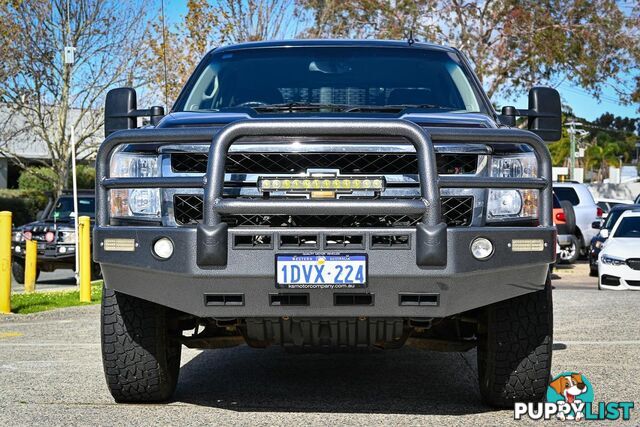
(84, 246)
(31, 255)
(5, 262)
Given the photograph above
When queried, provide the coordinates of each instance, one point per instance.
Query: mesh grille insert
(456, 212)
(634, 263)
(347, 163)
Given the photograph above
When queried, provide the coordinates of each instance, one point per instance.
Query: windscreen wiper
(395, 107)
(300, 106)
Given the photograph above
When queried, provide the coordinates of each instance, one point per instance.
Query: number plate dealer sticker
(321, 271)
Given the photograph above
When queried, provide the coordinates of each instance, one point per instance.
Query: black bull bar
(431, 232)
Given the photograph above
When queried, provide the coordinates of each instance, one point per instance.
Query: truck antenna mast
(410, 39)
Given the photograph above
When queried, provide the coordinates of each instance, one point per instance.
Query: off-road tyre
(514, 350)
(140, 353)
(17, 271)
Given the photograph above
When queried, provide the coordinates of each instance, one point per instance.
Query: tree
(179, 49)
(513, 43)
(255, 20)
(43, 97)
(205, 26)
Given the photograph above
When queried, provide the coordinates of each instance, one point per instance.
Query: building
(19, 144)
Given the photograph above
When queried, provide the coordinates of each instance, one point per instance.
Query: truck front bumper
(518, 265)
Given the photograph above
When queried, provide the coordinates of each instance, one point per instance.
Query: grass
(43, 301)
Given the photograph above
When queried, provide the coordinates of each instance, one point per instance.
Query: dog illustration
(569, 387)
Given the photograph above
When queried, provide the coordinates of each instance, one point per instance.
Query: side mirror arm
(155, 113)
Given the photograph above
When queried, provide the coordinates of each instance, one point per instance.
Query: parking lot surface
(51, 373)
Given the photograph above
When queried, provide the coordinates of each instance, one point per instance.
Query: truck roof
(332, 43)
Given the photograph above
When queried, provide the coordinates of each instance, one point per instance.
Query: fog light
(481, 248)
(163, 248)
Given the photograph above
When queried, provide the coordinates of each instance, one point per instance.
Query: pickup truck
(327, 195)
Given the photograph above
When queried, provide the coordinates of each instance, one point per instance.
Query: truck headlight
(17, 236)
(513, 203)
(139, 202)
(68, 237)
(609, 260)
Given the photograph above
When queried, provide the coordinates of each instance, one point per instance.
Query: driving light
(311, 184)
(163, 248)
(17, 236)
(141, 202)
(481, 248)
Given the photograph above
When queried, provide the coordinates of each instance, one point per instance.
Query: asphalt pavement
(51, 373)
(58, 280)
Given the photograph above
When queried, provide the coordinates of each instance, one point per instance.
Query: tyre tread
(140, 361)
(514, 356)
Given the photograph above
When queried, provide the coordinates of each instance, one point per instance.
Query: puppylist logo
(570, 397)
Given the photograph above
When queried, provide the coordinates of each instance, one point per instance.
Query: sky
(583, 104)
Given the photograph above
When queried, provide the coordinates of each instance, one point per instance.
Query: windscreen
(629, 227)
(64, 208)
(421, 78)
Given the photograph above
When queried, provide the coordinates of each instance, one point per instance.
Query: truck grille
(456, 212)
(347, 163)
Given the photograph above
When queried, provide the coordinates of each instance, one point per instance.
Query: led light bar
(336, 184)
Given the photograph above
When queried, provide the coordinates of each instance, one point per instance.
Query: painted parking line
(10, 334)
(605, 343)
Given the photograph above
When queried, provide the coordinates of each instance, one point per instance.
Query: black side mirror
(117, 108)
(597, 225)
(120, 111)
(545, 113)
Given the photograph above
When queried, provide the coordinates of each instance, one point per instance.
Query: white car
(607, 204)
(619, 260)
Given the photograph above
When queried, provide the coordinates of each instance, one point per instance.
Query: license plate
(321, 271)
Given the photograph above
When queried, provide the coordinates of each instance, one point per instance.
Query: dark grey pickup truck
(327, 195)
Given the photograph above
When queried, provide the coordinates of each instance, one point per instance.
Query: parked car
(607, 204)
(584, 207)
(604, 229)
(54, 232)
(619, 261)
(565, 221)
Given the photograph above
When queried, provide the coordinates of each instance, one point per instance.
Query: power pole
(572, 150)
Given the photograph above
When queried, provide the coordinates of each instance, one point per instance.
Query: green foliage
(42, 301)
(86, 176)
(39, 178)
(560, 149)
(24, 204)
(42, 178)
(513, 44)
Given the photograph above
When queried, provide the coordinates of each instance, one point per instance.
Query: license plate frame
(355, 260)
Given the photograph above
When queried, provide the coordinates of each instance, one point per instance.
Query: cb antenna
(410, 39)
(164, 55)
